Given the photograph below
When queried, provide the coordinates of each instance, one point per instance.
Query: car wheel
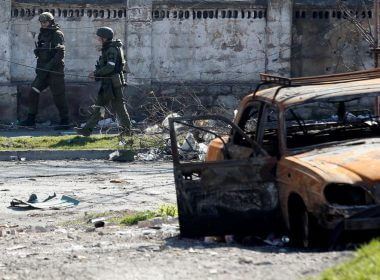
(305, 229)
(300, 229)
(302, 225)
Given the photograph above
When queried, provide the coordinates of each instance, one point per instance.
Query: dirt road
(50, 244)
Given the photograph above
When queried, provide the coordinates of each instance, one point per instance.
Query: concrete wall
(211, 50)
(324, 42)
(8, 93)
(139, 41)
(77, 21)
(214, 42)
(5, 50)
(176, 41)
(279, 37)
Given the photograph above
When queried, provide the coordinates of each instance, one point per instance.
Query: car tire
(303, 227)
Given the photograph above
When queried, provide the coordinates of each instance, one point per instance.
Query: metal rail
(323, 79)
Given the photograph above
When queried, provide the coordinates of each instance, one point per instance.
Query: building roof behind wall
(72, 1)
(330, 3)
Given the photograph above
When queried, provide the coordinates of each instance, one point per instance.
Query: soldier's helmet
(105, 32)
(46, 16)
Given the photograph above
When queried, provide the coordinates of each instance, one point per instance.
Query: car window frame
(262, 125)
(239, 124)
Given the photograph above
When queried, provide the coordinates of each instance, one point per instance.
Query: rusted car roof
(289, 96)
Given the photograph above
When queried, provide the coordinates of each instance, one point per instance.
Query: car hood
(349, 162)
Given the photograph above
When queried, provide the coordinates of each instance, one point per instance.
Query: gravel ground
(38, 244)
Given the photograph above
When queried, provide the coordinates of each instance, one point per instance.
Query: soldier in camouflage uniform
(50, 52)
(109, 70)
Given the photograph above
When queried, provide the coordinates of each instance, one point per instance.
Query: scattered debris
(213, 271)
(243, 260)
(191, 149)
(93, 221)
(99, 224)
(9, 230)
(155, 129)
(153, 154)
(164, 126)
(165, 122)
(16, 158)
(8, 226)
(278, 242)
(19, 247)
(117, 181)
(264, 263)
(122, 156)
(79, 257)
(51, 202)
(107, 123)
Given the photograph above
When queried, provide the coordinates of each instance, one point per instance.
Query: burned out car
(304, 154)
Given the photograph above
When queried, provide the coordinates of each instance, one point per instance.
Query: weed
(365, 265)
(133, 219)
(70, 142)
(168, 210)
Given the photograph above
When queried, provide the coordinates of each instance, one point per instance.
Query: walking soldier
(109, 70)
(49, 52)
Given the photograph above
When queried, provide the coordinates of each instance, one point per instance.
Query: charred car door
(228, 196)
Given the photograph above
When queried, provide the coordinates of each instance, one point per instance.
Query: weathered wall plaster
(324, 42)
(5, 45)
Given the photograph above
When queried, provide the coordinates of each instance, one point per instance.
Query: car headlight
(347, 195)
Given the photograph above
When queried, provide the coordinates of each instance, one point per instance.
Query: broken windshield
(326, 121)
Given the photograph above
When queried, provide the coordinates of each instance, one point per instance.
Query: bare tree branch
(366, 32)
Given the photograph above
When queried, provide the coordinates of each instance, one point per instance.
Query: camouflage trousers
(56, 82)
(114, 96)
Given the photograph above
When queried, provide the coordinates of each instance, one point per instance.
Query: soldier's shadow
(76, 141)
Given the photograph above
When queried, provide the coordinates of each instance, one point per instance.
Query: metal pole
(376, 4)
(376, 15)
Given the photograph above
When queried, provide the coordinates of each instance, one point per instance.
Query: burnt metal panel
(227, 197)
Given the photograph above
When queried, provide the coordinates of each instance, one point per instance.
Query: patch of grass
(365, 265)
(168, 210)
(125, 217)
(134, 218)
(73, 142)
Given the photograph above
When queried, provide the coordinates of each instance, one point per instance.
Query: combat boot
(63, 125)
(30, 121)
(82, 131)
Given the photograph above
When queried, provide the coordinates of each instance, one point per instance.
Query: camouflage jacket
(111, 61)
(50, 49)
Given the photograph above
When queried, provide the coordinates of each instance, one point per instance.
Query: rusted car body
(305, 153)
